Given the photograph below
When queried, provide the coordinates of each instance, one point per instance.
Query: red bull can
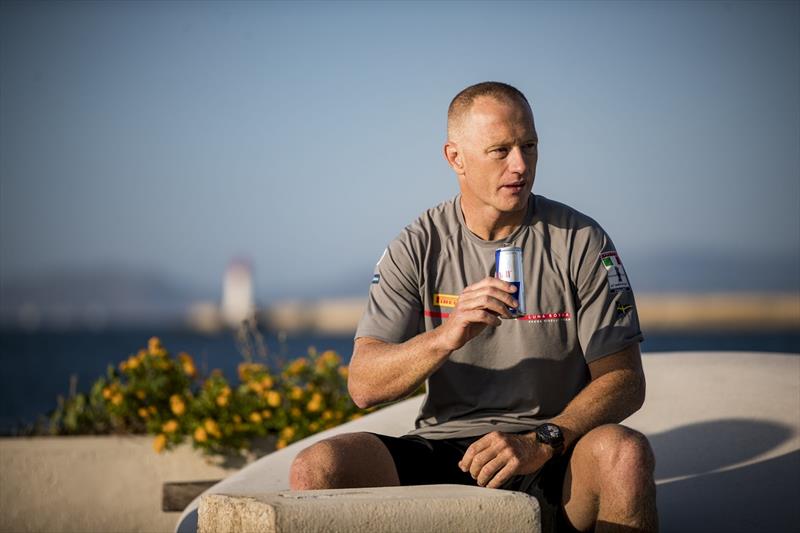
(508, 267)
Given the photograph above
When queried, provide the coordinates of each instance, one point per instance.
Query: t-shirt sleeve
(607, 319)
(394, 308)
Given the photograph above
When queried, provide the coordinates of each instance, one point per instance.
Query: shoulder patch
(617, 278)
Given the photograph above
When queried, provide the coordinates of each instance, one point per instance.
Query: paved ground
(725, 428)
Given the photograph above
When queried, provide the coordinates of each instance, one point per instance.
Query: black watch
(551, 435)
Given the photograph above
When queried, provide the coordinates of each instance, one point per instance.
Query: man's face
(497, 151)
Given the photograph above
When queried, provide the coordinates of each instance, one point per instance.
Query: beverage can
(508, 267)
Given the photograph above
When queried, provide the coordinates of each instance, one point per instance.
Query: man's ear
(453, 155)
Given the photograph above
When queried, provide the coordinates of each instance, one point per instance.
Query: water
(36, 367)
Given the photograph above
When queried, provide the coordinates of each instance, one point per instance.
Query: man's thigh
(421, 461)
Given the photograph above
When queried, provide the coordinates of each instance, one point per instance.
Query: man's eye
(500, 152)
(530, 147)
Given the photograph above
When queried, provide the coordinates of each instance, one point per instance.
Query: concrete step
(434, 508)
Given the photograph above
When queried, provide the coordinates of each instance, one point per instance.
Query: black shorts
(421, 461)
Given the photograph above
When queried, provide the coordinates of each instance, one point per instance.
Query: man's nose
(517, 163)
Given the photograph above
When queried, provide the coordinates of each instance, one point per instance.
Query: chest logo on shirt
(445, 300)
(617, 278)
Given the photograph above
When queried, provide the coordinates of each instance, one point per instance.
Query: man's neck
(488, 223)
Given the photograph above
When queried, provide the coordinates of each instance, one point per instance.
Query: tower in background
(238, 302)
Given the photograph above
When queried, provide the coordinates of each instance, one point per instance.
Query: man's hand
(480, 305)
(497, 457)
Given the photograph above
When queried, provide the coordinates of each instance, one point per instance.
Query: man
(529, 403)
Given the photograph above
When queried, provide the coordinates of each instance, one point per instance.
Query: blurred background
(172, 168)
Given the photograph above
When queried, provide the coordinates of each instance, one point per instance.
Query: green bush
(153, 393)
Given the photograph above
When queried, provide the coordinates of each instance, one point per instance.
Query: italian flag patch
(617, 278)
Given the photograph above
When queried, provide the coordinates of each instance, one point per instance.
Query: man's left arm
(616, 390)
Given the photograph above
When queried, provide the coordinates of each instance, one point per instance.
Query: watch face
(550, 434)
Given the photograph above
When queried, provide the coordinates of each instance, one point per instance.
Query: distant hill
(92, 298)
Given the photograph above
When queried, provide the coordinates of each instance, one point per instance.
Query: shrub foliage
(155, 393)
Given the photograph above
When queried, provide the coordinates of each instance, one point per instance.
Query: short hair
(463, 101)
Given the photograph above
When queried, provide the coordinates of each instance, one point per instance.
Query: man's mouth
(514, 187)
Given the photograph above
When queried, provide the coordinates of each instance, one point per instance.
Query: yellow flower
(313, 427)
(273, 398)
(287, 433)
(200, 435)
(255, 387)
(144, 413)
(133, 363)
(267, 382)
(266, 413)
(327, 414)
(332, 357)
(296, 393)
(295, 412)
(297, 366)
(177, 405)
(343, 371)
(280, 444)
(153, 410)
(141, 355)
(315, 404)
(212, 428)
(159, 443)
(107, 393)
(116, 399)
(188, 364)
(222, 400)
(154, 345)
(237, 419)
(356, 416)
(141, 394)
(170, 426)
(123, 366)
(247, 370)
(329, 358)
(255, 417)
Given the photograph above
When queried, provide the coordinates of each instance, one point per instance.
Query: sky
(171, 137)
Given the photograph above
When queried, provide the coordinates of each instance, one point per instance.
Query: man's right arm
(382, 372)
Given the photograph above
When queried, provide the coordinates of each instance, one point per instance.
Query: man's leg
(344, 461)
(609, 484)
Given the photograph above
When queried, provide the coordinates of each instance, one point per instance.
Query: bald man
(530, 403)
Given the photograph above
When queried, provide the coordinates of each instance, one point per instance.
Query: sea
(37, 367)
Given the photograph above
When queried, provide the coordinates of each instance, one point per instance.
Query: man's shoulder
(561, 215)
(438, 222)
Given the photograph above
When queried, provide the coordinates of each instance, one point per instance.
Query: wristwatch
(551, 435)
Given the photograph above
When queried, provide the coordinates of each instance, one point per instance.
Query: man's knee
(621, 454)
(314, 466)
(347, 460)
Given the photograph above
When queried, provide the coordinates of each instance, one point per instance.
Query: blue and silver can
(508, 267)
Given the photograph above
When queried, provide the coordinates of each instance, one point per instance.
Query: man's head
(492, 146)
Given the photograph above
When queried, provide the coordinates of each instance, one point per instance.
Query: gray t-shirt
(511, 378)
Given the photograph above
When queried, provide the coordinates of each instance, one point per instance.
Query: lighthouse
(238, 303)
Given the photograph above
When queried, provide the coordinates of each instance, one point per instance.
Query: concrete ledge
(440, 508)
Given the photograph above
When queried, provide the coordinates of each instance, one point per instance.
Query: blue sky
(173, 136)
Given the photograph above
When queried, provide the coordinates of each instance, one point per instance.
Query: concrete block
(434, 508)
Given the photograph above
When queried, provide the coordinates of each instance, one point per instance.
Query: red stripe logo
(529, 318)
